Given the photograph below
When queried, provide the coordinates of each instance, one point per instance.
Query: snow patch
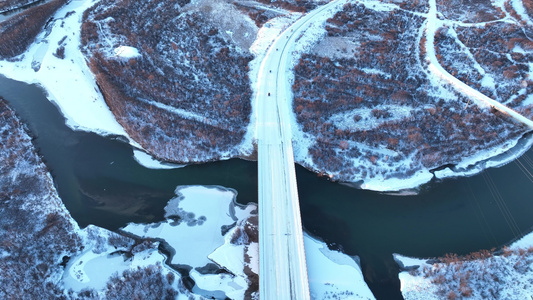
(488, 82)
(127, 52)
(377, 72)
(219, 286)
(523, 243)
(367, 121)
(332, 274)
(253, 252)
(381, 184)
(411, 286)
(148, 161)
(528, 100)
(518, 6)
(509, 274)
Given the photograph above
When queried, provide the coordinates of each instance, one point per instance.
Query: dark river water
(100, 183)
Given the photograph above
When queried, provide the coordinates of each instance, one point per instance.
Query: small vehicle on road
(269, 94)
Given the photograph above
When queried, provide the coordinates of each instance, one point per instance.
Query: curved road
(282, 264)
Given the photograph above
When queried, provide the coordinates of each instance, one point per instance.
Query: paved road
(282, 264)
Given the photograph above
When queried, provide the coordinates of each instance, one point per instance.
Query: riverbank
(37, 251)
(501, 274)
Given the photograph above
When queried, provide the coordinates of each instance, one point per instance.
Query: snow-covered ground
(439, 72)
(510, 149)
(332, 274)
(470, 166)
(508, 275)
(107, 256)
(99, 260)
(47, 255)
(200, 212)
(197, 229)
(70, 84)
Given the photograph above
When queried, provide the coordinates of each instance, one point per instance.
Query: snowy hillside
(44, 251)
(372, 111)
(177, 82)
(207, 247)
(505, 274)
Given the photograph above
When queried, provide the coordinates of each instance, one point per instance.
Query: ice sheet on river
(204, 225)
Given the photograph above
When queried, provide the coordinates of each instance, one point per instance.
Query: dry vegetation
(19, 31)
(381, 108)
(410, 5)
(491, 59)
(480, 275)
(38, 237)
(36, 233)
(528, 5)
(148, 282)
(469, 11)
(246, 233)
(186, 66)
(8, 5)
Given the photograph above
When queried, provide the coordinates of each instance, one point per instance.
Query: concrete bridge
(282, 264)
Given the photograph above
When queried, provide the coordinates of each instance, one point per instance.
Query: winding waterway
(100, 183)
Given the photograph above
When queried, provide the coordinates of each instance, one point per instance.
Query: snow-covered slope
(505, 274)
(46, 254)
(35, 227)
(68, 81)
(372, 107)
(174, 74)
